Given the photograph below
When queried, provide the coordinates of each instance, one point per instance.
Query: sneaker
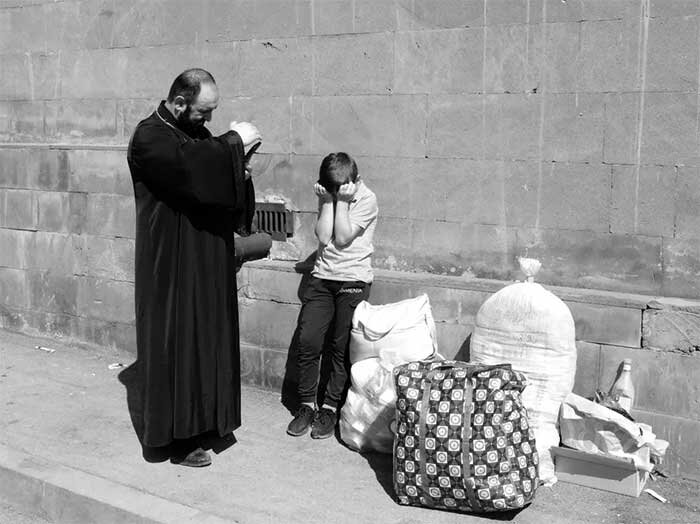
(302, 421)
(324, 423)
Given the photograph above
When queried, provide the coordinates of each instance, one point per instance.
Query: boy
(340, 280)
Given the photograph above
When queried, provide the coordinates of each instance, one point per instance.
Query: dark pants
(326, 302)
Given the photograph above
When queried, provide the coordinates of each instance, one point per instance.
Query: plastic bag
(533, 330)
(382, 337)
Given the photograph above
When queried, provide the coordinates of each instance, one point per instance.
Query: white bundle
(529, 327)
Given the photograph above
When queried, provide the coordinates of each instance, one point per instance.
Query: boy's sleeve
(365, 211)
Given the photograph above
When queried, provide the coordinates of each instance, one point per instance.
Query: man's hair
(188, 84)
(337, 169)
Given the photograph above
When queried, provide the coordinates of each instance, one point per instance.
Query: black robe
(191, 195)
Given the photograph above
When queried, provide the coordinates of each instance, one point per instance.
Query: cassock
(191, 195)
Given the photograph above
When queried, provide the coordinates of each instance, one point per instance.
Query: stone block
(81, 120)
(271, 115)
(609, 54)
(487, 251)
(53, 211)
(99, 171)
(586, 259)
(13, 319)
(131, 112)
(439, 14)
(669, 329)
(511, 125)
(274, 367)
(251, 365)
(99, 73)
(456, 126)
(273, 67)
(388, 292)
(14, 247)
(681, 257)
(587, 368)
(270, 284)
(683, 436)
(372, 16)
(14, 288)
(55, 252)
(143, 23)
(665, 9)
(664, 382)
(29, 76)
(513, 56)
(561, 63)
(353, 64)
(267, 324)
(105, 333)
(672, 54)
(453, 339)
(228, 21)
(364, 125)
(607, 325)
(620, 135)
(105, 299)
(109, 258)
(20, 209)
(110, 215)
(644, 200)
(573, 128)
(687, 220)
(22, 121)
(670, 133)
(391, 237)
(52, 292)
(507, 12)
(437, 62)
(385, 175)
(575, 196)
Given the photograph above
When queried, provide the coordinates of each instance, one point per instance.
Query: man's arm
(205, 171)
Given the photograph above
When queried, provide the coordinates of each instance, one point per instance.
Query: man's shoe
(302, 421)
(195, 459)
(323, 425)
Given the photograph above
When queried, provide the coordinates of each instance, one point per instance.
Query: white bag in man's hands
(248, 132)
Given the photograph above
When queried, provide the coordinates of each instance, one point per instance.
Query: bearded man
(192, 191)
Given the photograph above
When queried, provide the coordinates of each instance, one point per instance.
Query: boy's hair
(336, 170)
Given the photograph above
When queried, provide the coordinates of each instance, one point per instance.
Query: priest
(192, 191)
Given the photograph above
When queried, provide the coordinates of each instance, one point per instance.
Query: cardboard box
(604, 472)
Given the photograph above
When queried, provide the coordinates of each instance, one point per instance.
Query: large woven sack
(533, 330)
(463, 440)
(382, 337)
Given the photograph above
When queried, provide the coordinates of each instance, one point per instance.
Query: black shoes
(323, 425)
(194, 459)
(302, 421)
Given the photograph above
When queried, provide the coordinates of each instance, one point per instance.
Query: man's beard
(184, 122)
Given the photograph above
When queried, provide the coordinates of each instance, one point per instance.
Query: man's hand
(248, 132)
(323, 195)
(346, 192)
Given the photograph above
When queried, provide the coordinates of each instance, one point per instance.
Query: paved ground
(68, 454)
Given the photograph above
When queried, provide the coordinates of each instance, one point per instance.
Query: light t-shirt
(354, 261)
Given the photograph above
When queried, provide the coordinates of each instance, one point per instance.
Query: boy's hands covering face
(322, 194)
(347, 191)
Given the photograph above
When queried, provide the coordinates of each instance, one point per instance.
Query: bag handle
(466, 418)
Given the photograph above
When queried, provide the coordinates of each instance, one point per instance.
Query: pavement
(68, 454)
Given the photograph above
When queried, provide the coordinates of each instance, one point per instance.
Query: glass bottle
(622, 390)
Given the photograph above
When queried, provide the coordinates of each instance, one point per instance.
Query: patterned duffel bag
(463, 441)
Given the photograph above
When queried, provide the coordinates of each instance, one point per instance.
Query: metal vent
(274, 219)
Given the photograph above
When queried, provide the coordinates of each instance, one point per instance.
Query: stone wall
(489, 129)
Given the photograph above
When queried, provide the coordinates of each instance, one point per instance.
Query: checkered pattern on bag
(463, 441)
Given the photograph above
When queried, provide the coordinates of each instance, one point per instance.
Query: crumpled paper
(594, 428)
